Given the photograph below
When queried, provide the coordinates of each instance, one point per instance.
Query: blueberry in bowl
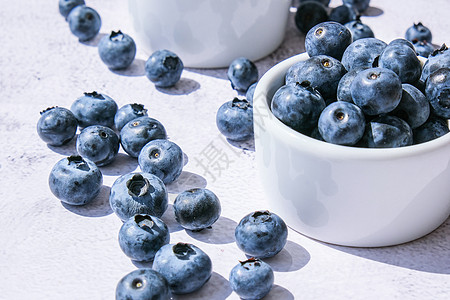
(387, 201)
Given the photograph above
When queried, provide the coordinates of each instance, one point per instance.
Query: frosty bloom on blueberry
(117, 50)
(164, 68)
(143, 284)
(94, 109)
(65, 6)
(138, 193)
(242, 73)
(234, 119)
(127, 113)
(75, 180)
(84, 22)
(99, 144)
(57, 126)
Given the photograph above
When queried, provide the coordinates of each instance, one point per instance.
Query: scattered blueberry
(65, 6)
(359, 30)
(94, 109)
(388, 132)
(164, 68)
(343, 14)
(360, 5)
(376, 91)
(117, 50)
(433, 128)
(162, 158)
(298, 105)
(242, 73)
(261, 234)
(418, 32)
(251, 279)
(127, 113)
(84, 22)
(141, 236)
(413, 107)
(196, 209)
(57, 126)
(328, 38)
(403, 61)
(138, 132)
(75, 180)
(309, 14)
(185, 266)
(234, 119)
(138, 193)
(143, 284)
(362, 53)
(99, 144)
(342, 123)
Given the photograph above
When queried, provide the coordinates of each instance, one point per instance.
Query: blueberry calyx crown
(144, 221)
(138, 109)
(252, 260)
(441, 50)
(306, 84)
(138, 186)
(116, 36)
(183, 250)
(47, 109)
(170, 62)
(241, 103)
(79, 162)
(95, 95)
(262, 215)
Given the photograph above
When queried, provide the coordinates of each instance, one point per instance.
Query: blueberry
(343, 90)
(75, 180)
(343, 14)
(242, 73)
(65, 6)
(403, 61)
(437, 91)
(440, 58)
(360, 5)
(127, 113)
(143, 284)
(196, 209)
(359, 30)
(418, 32)
(84, 22)
(57, 126)
(234, 119)
(261, 234)
(94, 109)
(185, 266)
(401, 41)
(138, 132)
(423, 48)
(99, 144)
(162, 158)
(413, 107)
(309, 14)
(323, 73)
(388, 132)
(250, 93)
(342, 123)
(251, 279)
(298, 105)
(362, 53)
(138, 193)
(328, 38)
(141, 236)
(433, 128)
(117, 50)
(164, 68)
(376, 91)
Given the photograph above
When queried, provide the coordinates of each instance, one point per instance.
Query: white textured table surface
(53, 251)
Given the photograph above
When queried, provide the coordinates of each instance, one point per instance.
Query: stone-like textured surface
(49, 250)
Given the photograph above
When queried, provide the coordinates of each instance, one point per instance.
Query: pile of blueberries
(139, 199)
(364, 92)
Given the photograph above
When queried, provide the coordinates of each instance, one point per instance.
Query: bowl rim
(262, 109)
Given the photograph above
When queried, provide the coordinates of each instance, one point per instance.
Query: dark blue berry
(65, 6)
(57, 126)
(117, 50)
(418, 32)
(234, 119)
(84, 22)
(242, 73)
(94, 109)
(99, 144)
(362, 53)
(143, 284)
(309, 14)
(127, 113)
(328, 38)
(164, 68)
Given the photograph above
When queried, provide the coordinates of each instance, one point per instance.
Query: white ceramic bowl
(210, 33)
(346, 195)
